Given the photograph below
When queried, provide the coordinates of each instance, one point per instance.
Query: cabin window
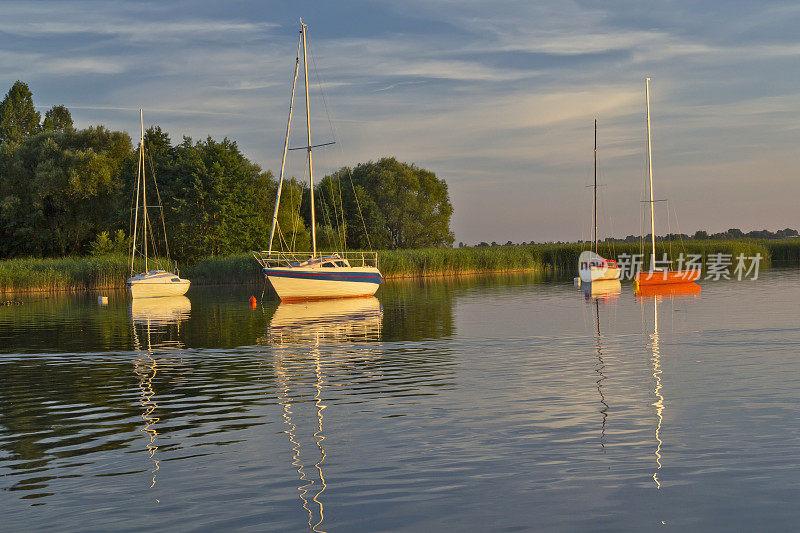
(176, 279)
(341, 263)
(327, 265)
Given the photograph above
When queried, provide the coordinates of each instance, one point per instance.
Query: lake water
(505, 403)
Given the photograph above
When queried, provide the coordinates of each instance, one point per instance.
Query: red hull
(670, 289)
(666, 277)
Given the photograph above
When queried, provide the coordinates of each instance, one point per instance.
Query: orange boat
(666, 277)
(658, 276)
(676, 290)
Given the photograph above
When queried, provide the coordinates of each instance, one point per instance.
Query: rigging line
(339, 144)
(160, 203)
(336, 209)
(335, 214)
(669, 233)
(678, 226)
(341, 210)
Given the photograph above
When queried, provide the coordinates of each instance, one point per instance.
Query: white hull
(157, 283)
(588, 275)
(310, 283)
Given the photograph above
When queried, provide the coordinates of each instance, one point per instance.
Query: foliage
(216, 202)
(57, 118)
(59, 190)
(403, 206)
(104, 244)
(18, 116)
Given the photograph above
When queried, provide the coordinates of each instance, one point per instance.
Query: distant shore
(111, 272)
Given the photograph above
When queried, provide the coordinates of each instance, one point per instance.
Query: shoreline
(98, 273)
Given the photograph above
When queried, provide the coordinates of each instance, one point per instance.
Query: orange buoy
(253, 302)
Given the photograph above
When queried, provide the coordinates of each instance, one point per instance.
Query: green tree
(412, 206)
(216, 202)
(60, 190)
(18, 116)
(57, 118)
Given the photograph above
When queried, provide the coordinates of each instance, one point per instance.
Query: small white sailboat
(158, 282)
(297, 277)
(592, 266)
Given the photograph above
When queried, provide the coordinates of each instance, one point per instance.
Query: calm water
(472, 405)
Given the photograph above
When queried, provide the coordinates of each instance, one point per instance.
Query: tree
(57, 118)
(401, 205)
(18, 116)
(60, 190)
(216, 202)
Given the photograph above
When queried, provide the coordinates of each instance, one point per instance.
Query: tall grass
(106, 272)
(235, 269)
(67, 273)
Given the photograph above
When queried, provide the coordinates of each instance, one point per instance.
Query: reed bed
(230, 269)
(108, 272)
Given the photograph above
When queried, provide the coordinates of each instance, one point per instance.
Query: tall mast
(650, 171)
(136, 209)
(308, 130)
(594, 212)
(285, 145)
(144, 189)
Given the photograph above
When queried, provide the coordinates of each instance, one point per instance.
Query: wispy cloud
(497, 98)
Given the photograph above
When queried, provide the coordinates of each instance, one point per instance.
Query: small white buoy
(102, 300)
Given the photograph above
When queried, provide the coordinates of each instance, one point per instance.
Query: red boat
(657, 277)
(676, 290)
(666, 277)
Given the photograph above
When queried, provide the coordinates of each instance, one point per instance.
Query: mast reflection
(299, 331)
(656, 294)
(159, 320)
(601, 291)
(659, 403)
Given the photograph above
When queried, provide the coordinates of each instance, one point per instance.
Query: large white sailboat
(150, 283)
(592, 267)
(296, 275)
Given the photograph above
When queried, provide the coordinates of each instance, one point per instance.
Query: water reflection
(160, 321)
(298, 330)
(145, 368)
(656, 294)
(599, 368)
(659, 403)
(604, 289)
(346, 319)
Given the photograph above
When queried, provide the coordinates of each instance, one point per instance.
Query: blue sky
(498, 98)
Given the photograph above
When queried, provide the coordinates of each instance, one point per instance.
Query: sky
(497, 98)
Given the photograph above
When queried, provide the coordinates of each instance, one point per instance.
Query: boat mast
(594, 212)
(144, 190)
(303, 30)
(136, 209)
(650, 171)
(285, 146)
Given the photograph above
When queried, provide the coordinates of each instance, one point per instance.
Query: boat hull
(666, 277)
(298, 283)
(676, 290)
(593, 273)
(156, 284)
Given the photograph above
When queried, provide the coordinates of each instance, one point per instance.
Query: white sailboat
(150, 283)
(298, 277)
(592, 266)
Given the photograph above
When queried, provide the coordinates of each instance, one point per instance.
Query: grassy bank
(106, 272)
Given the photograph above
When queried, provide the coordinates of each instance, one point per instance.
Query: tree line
(67, 191)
